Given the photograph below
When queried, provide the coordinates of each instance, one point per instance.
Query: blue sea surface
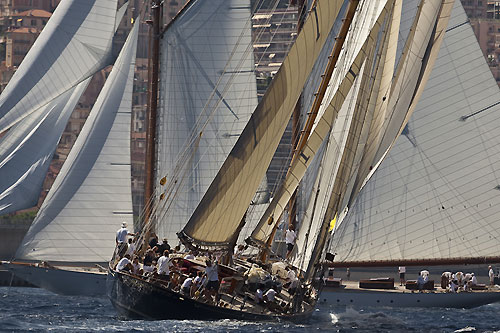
(37, 310)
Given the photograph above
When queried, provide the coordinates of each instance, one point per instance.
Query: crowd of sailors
(196, 275)
(450, 282)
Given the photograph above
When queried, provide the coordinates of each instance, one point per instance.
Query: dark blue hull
(136, 298)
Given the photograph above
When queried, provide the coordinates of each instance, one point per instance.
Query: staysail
(207, 94)
(436, 193)
(219, 213)
(92, 193)
(75, 44)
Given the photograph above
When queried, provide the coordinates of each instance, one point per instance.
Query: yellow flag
(332, 223)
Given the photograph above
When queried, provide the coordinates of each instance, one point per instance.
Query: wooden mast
(325, 79)
(152, 112)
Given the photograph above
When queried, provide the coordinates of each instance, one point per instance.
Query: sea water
(37, 310)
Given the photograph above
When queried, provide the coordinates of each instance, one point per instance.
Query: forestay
(219, 213)
(75, 44)
(92, 193)
(207, 94)
(436, 193)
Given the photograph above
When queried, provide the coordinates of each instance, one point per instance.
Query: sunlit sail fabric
(218, 215)
(207, 86)
(326, 119)
(92, 194)
(27, 149)
(75, 44)
(436, 193)
(325, 178)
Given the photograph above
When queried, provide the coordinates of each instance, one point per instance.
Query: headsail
(75, 44)
(92, 193)
(26, 151)
(219, 213)
(436, 193)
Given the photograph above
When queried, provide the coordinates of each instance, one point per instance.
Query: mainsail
(207, 94)
(217, 217)
(92, 193)
(436, 193)
(75, 44)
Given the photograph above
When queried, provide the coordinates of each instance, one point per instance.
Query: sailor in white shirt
(473, 279)
(186, 285)
(491, 274)
(124, 264)
(121, 240)
(164, 264)
(290, 237)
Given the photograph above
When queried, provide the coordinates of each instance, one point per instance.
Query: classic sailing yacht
(364, 63)
(92, 191)
(436, 191)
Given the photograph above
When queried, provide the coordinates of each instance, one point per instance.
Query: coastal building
(484, 16)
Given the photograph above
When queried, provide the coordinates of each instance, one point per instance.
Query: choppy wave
(37, 310)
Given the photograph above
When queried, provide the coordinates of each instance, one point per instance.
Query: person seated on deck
(149, 257)
(453, 286)
(163, 266)
(473, 280)
(212, 276)
(459, 276)
(445, 280)
(187, 285)
(124, 265)
(294, 282)
(136, 266)
(189, 256)
(270, 301)
(422, 279)
(149, 269)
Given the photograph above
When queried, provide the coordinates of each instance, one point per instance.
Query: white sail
(208, 86)
(75, 44)
(436, 193)
(92, 193)
(26, 151)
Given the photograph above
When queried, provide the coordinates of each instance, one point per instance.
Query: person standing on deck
(402, 271)
(163, 266)
(121, 239)
(212, 274)
(491, 274)
(290, 237)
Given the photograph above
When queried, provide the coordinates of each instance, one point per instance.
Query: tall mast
(152, 109)
(320, 241)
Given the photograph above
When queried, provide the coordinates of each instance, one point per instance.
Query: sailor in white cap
(121, 239)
